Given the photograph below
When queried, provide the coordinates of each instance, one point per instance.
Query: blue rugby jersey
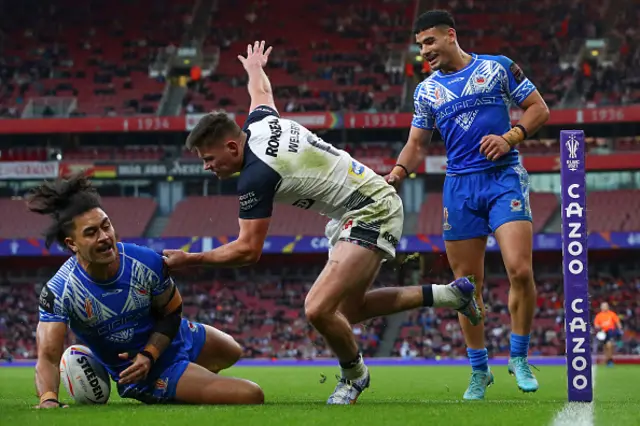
(113, 316)
(471, 103)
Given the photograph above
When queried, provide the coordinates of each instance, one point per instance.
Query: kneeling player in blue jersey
(486, 190)
(121, 302)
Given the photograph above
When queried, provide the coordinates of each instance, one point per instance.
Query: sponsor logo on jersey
(304, 203)
(454, 108)
(122, 336)
(248, 201)
(455, 80)
(120, 321)
(264, 108)
(112, 292)
(47, 299)
(356, 169)
(273, 144)
(517, 72)
(445, 216)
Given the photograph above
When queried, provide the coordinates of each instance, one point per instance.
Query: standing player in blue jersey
(120, 301)
(486, 190)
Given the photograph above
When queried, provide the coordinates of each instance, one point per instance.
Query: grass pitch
(397, 396)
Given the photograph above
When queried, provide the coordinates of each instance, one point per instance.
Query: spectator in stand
(609, 329)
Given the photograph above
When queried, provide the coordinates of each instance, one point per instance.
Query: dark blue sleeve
(258, 114)
(257, 187)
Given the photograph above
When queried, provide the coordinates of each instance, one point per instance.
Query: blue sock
(519, 345)
(479, 359)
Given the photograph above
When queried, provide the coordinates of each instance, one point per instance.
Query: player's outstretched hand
(256, 56)
(175, 259)
(493, 147)
(135, 372)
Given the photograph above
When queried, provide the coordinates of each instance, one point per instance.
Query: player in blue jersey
(486, 190)
(120, 301)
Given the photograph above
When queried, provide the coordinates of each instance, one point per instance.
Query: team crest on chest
(438, 99)
(88, 308)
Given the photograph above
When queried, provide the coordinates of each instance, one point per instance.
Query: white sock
(357, 371)
(444, 296)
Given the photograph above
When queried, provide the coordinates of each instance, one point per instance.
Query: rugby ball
(85, 379)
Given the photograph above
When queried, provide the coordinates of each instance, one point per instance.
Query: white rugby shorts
(377, 225)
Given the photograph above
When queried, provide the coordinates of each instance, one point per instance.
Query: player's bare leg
(349, 270)
(340, 298)
(459, 295)
(516, 244)
(220, 350)
(515, 240)
(201, 386)
(466, 257)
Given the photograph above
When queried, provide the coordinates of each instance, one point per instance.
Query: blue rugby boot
(526, 380)
(480, 381)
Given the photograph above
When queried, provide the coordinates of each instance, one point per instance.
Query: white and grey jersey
(286, 163)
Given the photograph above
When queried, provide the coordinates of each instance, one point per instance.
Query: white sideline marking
(577, 413)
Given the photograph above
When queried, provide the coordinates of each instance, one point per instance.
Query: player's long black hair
(63, 199)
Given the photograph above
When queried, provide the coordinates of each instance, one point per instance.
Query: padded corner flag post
(574, 264)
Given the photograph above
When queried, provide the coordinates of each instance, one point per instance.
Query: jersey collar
(474, 57)
(110, 280)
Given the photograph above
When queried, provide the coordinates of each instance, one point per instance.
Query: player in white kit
(281, 161)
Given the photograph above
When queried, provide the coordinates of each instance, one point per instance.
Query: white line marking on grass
(577, 413)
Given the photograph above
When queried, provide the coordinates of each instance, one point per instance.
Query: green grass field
(398, 396)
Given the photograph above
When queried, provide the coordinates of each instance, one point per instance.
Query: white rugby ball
(85, 379)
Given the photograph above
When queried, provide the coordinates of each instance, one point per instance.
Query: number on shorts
(314, 140)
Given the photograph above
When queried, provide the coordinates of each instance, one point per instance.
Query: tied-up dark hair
(63, 199)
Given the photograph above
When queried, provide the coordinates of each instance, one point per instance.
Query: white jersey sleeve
(286, 163)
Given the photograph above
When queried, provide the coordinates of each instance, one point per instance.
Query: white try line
(577, 413)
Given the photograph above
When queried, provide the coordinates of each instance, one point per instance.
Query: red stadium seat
(130, 217)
